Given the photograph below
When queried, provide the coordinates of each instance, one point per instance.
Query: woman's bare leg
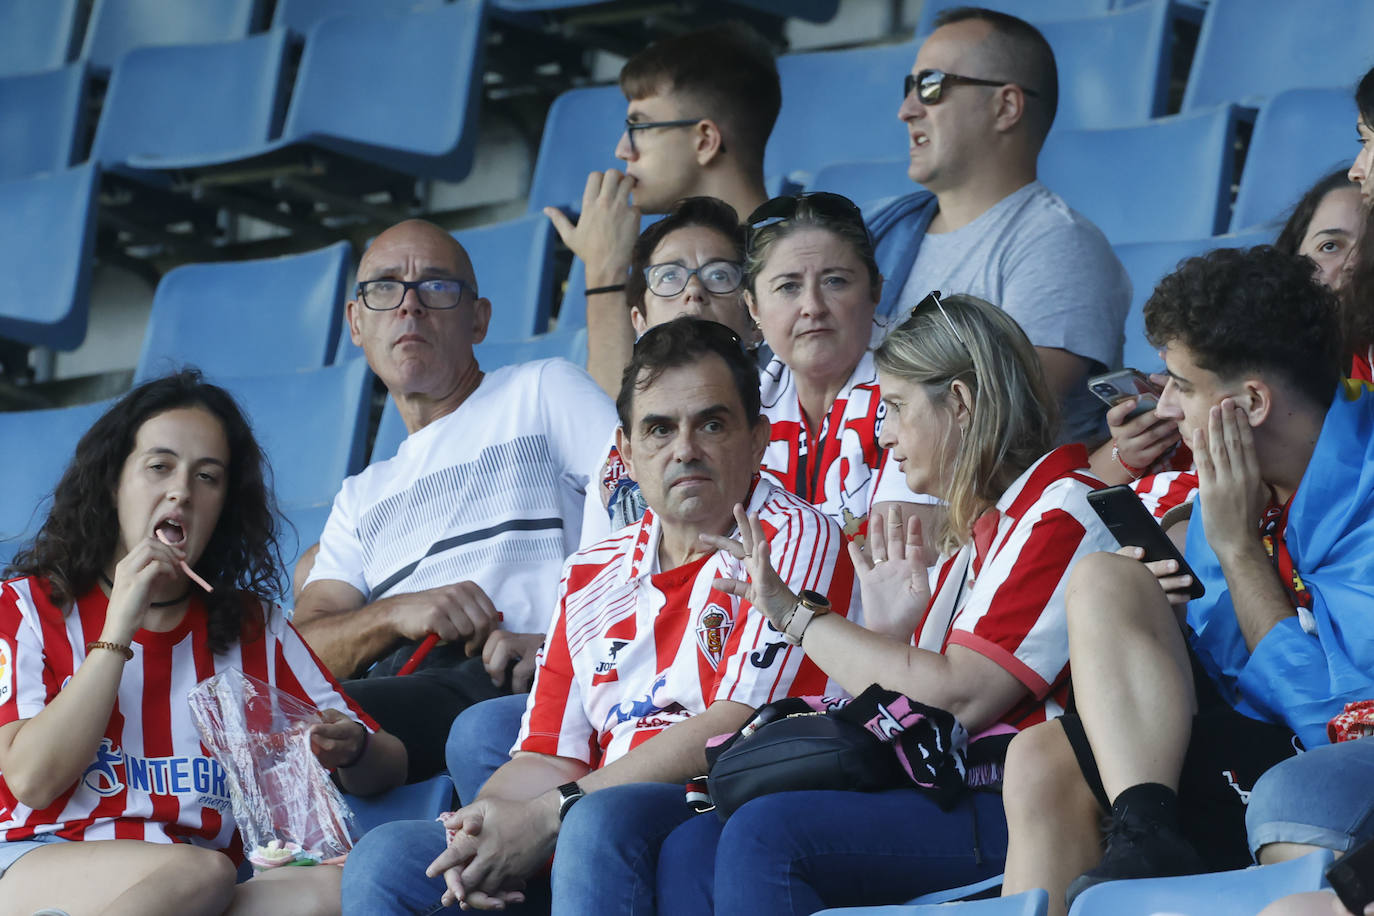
(290, 891)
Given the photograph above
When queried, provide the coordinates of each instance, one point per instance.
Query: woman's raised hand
(892, 575)
(134, 579)
(764, 588)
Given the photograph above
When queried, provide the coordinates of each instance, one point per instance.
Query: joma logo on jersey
(154, 775)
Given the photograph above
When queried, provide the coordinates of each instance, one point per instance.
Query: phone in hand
(1133, 526)
(1352, 877)
(1115, 387)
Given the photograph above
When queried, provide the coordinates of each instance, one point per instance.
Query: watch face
(815, 599)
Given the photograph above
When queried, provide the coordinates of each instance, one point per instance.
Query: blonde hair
(1013, 417)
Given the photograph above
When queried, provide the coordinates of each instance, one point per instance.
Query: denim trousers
(1324, 797)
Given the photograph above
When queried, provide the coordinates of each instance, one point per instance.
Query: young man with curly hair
(1181, 705)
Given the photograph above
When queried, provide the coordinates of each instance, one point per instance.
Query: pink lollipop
(191, 573)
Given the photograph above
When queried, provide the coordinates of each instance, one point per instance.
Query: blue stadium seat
(513, 262)
(1228, 893)
(36, 35)
(838, 106)
(1030, 903)
(303, 529)
(1300, 135)
(570, 345)
(1128, 180)
(810, 10)
(871, 184)
(1113, 69)
(300, 15)
(47, 240)
(41, 444)
(572, 310)
(391, 432)
(1250, 50)
(117, 26)
(1147, 263)
(312, 425)
(1036, 12)
(420, 801)
(580, 135)
(272, 315)
(169, 103)
(42, 121)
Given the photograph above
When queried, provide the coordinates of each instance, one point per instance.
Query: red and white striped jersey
(1167, 489)
(839, 466)
(151, 778)
(633, 650)
(1002, 595)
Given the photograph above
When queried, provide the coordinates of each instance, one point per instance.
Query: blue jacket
(1296, 678)
(898, 230)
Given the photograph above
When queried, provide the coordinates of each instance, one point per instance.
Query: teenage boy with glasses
(464, 532)
(977, 105)
(701, 108)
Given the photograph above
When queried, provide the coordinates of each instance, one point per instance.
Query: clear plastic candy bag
(288, 810)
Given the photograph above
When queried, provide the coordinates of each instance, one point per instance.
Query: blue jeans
(607, 853)
(1324, 797)
(800, 852)
(479, 742)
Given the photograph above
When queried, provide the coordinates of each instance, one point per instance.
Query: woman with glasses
(971, 420)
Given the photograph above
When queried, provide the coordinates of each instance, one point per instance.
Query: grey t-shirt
(1050, 269)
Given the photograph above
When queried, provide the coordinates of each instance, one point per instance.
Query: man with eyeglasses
(650, 653)
(977, 106)
(462, 535)
(701, 108)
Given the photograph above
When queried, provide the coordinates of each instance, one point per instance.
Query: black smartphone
(1133, 526)
(1352, 877)
(1115, 387)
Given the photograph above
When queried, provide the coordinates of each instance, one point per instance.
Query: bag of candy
(288, 810)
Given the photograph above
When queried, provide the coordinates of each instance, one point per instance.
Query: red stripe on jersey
(1059, 463)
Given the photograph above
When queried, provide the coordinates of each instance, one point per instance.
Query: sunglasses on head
(930, 84)
(933, 298)
(781, 209)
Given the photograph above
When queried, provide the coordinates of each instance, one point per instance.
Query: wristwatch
(810, 605)
(569, 794)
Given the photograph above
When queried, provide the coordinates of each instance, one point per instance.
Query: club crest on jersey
(100, 777)
(713, 630)
(6, 673)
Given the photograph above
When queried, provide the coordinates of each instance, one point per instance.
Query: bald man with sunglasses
(977, 106)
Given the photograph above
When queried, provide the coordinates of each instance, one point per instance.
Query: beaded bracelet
(113, 647)
(1136, 473)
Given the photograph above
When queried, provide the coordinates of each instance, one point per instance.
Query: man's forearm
(347, 640)
(610, 339)
(1258, 597)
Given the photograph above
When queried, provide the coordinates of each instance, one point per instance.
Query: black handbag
(880, 740)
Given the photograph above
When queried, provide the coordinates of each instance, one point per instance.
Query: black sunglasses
(933, 298)
(930, 84)
(781, 209)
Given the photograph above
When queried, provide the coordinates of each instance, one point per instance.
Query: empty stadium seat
(302, 530)
(1300, 135)
(300, 15)
(513, 262)
(272, 315)
(421, 801)
(311, 424)
(580, 136)
(1031, 903)
(871, 185)
(42, 121)
(838, 106)
(40, 444)
(117, 26)
(1037, 12)
(1114, 68)
(1250, 50)
(1147, 263)
(1228, 893)
(811, 10)
(36, 35)
(1130, 181)
(169, 103)
(391, 432)
(46, 242)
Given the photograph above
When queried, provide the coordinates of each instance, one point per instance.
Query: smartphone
(1352, 877)
(1133, 526)
(1115, 387)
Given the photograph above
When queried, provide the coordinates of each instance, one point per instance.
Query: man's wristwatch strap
(569, 794)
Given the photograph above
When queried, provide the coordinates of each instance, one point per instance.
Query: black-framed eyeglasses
(930, 84)
(933, 298)
(826, 204)
(718, 332)
(385, 295)
(632, 126)
(719, 277)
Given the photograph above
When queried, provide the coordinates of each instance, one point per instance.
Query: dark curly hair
(81, 533)
(1295, 228)
(1252, 310)
(707, 212)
